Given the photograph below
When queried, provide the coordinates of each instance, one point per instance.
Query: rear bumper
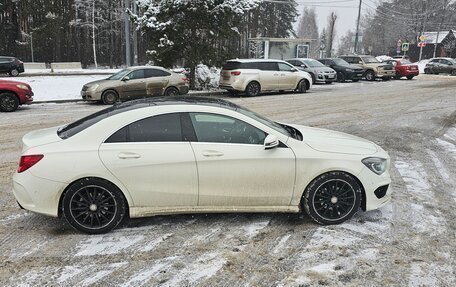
(408, 73)
(385, 74)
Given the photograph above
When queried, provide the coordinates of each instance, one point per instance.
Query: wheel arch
(62, 195)
(11, 92)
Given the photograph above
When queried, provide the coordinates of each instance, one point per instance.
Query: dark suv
(344, 70)
(11, 65)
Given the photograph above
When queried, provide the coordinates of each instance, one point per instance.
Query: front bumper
(325, 78)
(91, 95)
(37, 194)
(375, 197)
(355, 75)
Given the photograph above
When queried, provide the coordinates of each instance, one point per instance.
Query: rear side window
(161, 128)
(150, 73)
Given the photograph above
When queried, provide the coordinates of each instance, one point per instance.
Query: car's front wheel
(370, 75)
(109, 97)
(14, 73)
(94, 206)
(303, 86)
(253, 89)
(332, 198)
(8, 102)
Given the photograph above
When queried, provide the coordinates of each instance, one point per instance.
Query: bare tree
(331, 33)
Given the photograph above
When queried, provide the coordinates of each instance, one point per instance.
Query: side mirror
(270, 142)
(360, 62)
(126, 78)
(303, 66)
(294, 69)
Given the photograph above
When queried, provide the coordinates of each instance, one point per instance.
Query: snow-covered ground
(70, 71)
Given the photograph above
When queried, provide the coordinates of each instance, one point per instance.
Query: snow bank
(421, 64)
(206, 78)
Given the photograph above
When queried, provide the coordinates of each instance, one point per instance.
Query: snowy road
(410, 242)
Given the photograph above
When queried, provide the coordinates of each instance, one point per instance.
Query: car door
(4, 64)
(133, 85)
(444, 66)
(156, 81)
(234, 168)
(269, 76)
(154, 161)
(287, 77)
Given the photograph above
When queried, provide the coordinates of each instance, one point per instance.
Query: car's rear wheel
(171, 92)
(410, 77)
(14, 73)
(109, 97)
(332, 198)
(303, 86)
(370, 75)
(94, 206)
(427, 71)
(453, 73)
(253, 89)
(341, 77)
(8, 102)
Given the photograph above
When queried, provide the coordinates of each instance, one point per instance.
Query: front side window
(284, 67)
(135, 75)
(223, 129)
(161, 128)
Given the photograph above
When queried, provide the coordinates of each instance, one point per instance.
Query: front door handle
(212, 153)
(127, 155)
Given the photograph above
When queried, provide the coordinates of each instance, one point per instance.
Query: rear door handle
(127, 155)
(212, 153)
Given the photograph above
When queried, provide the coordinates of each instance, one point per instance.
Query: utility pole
(424, 28)
(127, 35)
(31, 45)
(440, 27)
(357, 27)
(135, 39)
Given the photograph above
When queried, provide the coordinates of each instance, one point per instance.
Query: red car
(404, 68)
(13, 94)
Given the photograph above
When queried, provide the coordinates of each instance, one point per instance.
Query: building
(445, 41)
(279, 48)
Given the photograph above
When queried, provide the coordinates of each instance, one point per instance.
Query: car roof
(146, 67)
(254, 60)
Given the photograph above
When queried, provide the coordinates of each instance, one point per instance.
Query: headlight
(349, 70)
(94, 87)
(376, 164)
(24, 87)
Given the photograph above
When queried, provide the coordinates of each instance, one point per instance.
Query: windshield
(313, 63)
(264, 121)
(405, 62)
(369, 60)
(119, 75)
(341, 62)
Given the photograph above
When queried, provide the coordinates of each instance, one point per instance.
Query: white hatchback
(195, 155)
(254, 76)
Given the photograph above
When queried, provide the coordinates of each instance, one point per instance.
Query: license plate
(331, 77)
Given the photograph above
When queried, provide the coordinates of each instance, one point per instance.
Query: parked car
(134, 83)
(441, 65)
(373, 68)
(192, 154)
(11, 65)
(344, 70)
(319, 72)
(404, 68)
(13, 94)
(254, 76)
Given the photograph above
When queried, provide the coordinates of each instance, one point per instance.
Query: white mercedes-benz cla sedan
(195, 155)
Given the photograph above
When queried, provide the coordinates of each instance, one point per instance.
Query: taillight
(27, 161)
(184, 79)
(236, 73)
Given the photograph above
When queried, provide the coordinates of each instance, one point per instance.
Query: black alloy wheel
(332, 198)
(171, 92)
(370, 75)
(253, 89)
(109, 97)
(14, 73)
(93, 206)
(8, 102)
(340, 77)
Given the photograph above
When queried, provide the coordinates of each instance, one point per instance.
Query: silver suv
(254, 76)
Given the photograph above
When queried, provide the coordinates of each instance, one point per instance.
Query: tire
(427, 71)
(93, 206)
(340, 77)
(410, 77)
(303, 86)
(332, 198)
(171, 92)
(109, 97)
(398, 77)
(453, 73)
(370, 75)
(14, 73)
(253, 89)
(9, 102)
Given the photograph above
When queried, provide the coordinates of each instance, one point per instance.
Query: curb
(191, 93)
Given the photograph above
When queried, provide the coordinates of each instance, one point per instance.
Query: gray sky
(346, 10)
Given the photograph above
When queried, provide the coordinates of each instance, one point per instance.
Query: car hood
(336, 142)
(40, 137)
(8, 82)
(102, 81)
